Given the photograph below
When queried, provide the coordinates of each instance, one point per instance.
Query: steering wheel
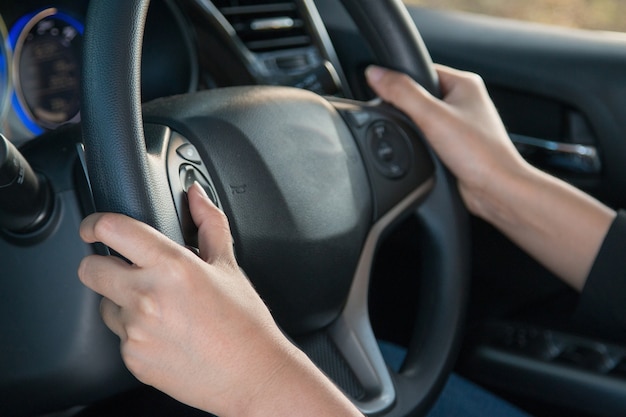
(310, 184)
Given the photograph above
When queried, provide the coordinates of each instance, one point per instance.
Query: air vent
(266, 25)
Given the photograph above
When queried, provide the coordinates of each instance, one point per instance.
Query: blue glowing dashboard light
(15, 33)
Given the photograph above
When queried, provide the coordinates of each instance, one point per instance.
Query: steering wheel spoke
(352, 332)
(393, 150)
(401, 174)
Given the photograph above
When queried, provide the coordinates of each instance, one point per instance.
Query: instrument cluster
(46, 48)
(41, 60)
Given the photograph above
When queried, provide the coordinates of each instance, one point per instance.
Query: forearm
(560, 226)
(299, 388)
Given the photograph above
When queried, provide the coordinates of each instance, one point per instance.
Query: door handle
(571, 157)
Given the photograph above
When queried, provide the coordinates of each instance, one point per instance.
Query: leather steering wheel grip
(390, 32)
(121, 177)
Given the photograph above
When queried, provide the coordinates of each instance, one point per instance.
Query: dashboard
(189, 45)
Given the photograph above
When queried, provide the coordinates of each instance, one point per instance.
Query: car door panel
(561, 94)
(563, 90)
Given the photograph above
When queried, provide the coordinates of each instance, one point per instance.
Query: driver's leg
(459, 397)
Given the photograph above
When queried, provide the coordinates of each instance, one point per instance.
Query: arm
(194, 327)
(554, 222)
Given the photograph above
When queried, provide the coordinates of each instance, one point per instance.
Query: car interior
(121, 105)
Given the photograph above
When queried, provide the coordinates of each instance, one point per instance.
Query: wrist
(295, 386)
(496, 198)
(259, 387)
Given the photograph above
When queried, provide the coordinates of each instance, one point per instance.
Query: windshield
(583, 14)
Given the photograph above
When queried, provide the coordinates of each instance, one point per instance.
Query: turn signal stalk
(25, 199)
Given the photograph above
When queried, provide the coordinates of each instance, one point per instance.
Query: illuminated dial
(46, 69)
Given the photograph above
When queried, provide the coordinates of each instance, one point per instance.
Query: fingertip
(374, 74)
(390, 85)
(82, 230)
(199, 189)
(85, 270)
(198, 194)
(214, 238)
(86, 229)
(200, 204)
(82, 266)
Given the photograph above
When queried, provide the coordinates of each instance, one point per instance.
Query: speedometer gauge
(47, 49)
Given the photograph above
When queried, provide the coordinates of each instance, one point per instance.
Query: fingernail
(374, 73)
(201, 189)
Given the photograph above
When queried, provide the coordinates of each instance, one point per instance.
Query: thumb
(214, 237)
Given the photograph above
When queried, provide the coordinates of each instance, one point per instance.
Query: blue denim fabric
(460, 397)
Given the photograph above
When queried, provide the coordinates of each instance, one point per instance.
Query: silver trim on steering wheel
(352, 331)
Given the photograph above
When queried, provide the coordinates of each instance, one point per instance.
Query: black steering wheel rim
(123, 180)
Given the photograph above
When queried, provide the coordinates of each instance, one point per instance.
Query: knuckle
(221, 219)
(172, 269)
(147, 305)
(475, 80)
(160, 252)
(134, 364)
(144, 304)
(135, 335)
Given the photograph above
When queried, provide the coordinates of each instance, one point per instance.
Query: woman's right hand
(463, 128)
(534, 209)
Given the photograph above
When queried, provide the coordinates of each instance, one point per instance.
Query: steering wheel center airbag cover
(294, 186)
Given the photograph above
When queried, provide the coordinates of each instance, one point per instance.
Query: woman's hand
(557, 224)
(193, 326)
(463, 128)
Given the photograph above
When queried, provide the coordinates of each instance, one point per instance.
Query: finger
(136, 241)
(108, 276)
(448, 78)
(405, 94)
(458, 86)
(214, 236)
(111, 315)
(467, 90)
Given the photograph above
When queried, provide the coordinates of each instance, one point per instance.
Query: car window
(584, 14)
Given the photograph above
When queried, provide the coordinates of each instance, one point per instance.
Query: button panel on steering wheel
(184, 167)
(390, 149)
(393, 150)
